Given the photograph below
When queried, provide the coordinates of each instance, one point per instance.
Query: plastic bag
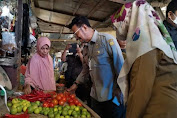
(8, 42)
(34, 25)
(4, 21)
(5, 97)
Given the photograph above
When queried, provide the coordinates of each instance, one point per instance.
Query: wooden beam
(62, 40)
(107, 19)
(159, 4)
(78, 6)
(54, 28)
(162, 16)
(66, 13)
(18, 33)
(96, 7)
(35, 2)
(52, 31)
(51, 6)
(74, 12)
(119, 1)
(51, 22)
(152, 2)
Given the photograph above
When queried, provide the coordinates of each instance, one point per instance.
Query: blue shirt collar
(95, 36)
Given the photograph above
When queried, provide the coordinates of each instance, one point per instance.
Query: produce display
(62, 105)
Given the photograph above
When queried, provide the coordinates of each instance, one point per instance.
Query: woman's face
(44, 50)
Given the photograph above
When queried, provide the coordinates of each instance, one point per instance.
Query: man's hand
(117, 92)
(27, 89)
(80, 53)
(72, 89)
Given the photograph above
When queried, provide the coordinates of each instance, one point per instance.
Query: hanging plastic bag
(8, 42)
(4, 21)
(5, 99)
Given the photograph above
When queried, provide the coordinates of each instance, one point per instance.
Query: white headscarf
(142, 28)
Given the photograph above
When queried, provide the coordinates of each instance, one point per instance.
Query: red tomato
(45, 104)
(72, 96)
(61, 102)
(76, 102)
(61, 94)
(54, 96)
(58, 97)
(68, 98)
(79, 104)
(71, 104)
(49, 100)
(51, 104)
(64, 99)
(55, 101)
(70, 101)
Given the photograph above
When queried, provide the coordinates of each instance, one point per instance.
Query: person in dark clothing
(74, 68)
(171, 20)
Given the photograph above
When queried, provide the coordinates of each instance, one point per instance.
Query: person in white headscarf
(171, 20)
(148, 78)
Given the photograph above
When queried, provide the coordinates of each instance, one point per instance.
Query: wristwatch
(76, 83)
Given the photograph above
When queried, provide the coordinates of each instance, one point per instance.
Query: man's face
(44, 50)
(172, 15)
(80, 33)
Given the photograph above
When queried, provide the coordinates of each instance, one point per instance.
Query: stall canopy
(54, 15)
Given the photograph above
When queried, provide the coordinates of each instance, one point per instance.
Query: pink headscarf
(39, 73)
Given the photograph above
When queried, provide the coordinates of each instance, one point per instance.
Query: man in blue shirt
(105, 61)
(171, 20)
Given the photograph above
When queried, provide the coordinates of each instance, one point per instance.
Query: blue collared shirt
(105, 62)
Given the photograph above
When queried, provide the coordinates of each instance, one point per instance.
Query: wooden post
(18, 32)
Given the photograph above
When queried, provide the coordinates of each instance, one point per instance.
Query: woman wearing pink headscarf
(39, 73)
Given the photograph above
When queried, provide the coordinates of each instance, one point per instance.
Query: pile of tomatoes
(62, 99)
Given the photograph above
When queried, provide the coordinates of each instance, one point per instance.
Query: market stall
(46, 104)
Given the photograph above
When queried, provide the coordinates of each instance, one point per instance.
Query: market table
(3, 111)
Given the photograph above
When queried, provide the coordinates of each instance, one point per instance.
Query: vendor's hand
(68, 46)
(27, 89)
(72, 89)
(37, 88)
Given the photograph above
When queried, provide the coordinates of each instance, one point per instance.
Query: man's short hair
(79, 21)
(172, 6)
